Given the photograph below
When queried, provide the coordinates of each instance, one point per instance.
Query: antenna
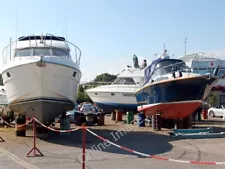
(17, 18)
(16, 22)
(185, 44)
(164, 46)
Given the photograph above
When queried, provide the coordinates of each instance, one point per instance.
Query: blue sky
(109, 32)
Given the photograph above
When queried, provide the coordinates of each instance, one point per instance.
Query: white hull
(43, 92)
(121, 94)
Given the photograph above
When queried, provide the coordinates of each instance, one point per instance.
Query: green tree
(105, 77)
(212, 99)
(82, 95)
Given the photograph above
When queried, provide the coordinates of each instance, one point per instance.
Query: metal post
(83, 145)
(34, 149)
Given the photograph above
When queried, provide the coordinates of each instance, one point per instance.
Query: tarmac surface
(62, 151)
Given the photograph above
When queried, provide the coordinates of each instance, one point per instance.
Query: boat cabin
(41, 45)
(130, 76)
(160, 69)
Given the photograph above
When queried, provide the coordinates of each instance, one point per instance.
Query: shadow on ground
(145, 142)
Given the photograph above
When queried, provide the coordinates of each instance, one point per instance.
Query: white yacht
(42, 77)
(120, 95)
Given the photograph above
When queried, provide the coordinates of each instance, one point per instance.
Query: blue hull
(174, 91)
(110, 107)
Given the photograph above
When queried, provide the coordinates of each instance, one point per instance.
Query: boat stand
(1, 139)
(34, 149)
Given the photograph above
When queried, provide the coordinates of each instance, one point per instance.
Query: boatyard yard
(66, 151)
(112, 84)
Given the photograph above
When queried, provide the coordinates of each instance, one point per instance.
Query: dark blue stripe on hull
(110, 107)
(172, 91)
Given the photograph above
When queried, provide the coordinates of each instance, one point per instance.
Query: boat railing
(8, 52)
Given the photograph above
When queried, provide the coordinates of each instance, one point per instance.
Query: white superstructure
(41, 79)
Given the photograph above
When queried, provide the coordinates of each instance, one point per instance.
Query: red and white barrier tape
(156, 157)
(17, 125)
(60, 131)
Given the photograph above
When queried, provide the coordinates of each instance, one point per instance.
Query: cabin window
(42, 52)
(59, 52)
(124, 80)
(22, 52)
(164, 67)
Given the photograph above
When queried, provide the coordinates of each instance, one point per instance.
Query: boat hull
(172, 110)
(110, 98)
(110, 107)
(41, 92)
(44, 109)
(175, 98)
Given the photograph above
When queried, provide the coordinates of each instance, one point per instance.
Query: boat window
(210, 70)
(169, 66)
(222, 73)
(42, 51)
(22, 52)
(124, 80)
(59, 52)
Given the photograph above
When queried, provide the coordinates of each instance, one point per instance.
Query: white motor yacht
(42, 76)
(120, 95)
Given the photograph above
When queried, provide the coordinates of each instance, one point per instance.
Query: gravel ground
(65, 151)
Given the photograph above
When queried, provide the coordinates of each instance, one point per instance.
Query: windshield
(124, 80)
(59, 52)
(23, 52)
(87, 106)
(42, 52)
(169, 66)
